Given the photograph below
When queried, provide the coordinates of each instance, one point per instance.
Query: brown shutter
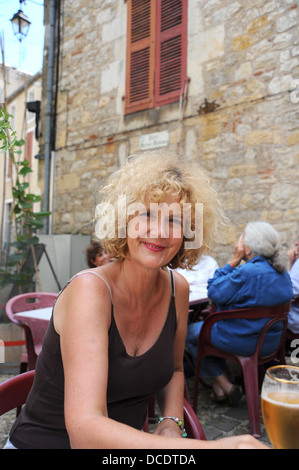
(29, 147)
(140, 55)
(171, 50)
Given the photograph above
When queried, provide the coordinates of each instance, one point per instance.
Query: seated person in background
(262, 280)
(198, 277)
(96, 255)
(293, 316)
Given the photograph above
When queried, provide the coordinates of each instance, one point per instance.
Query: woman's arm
(227, 281)
(223, 289)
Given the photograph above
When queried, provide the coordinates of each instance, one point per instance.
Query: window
(156, 53)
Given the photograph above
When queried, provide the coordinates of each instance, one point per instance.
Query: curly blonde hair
(152, 176)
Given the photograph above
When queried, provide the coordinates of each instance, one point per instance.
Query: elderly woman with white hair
(261, 280)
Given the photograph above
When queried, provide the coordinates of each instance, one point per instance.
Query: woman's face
(101, 258)
(245, 248)
(155, 234)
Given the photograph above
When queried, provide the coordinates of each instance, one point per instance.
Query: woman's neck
(139, 282)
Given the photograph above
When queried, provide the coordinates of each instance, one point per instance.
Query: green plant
(26, 221)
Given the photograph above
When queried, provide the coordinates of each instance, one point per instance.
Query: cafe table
(37, 320)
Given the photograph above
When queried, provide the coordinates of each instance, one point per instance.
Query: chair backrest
(274, 314)
(14, 391)
(191, 422)
(28, 301)
(23, 303)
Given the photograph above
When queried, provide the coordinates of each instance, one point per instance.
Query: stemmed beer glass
(280, 406)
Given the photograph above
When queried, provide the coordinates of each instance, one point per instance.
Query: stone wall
(243, 58)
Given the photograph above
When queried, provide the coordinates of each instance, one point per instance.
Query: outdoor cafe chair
(191, 423)
(34, 336)
(252, 367)
(14, 391)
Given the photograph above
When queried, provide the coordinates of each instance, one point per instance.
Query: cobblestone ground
(218, 420)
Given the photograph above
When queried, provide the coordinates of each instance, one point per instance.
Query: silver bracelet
(178, 421)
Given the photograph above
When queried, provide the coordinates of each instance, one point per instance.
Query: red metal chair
(14, 391)
(250, 365)
(33, 339)
(191, 423)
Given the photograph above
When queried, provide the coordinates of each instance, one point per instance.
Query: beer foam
(289, 399)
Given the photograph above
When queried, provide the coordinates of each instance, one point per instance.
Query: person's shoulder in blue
(255, 282)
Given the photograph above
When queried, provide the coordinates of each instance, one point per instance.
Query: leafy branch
(26, 221)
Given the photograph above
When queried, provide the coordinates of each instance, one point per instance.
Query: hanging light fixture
(20, 23)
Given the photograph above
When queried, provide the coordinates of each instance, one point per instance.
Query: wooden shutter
(29, 147)
(140, 55)
(171, 50)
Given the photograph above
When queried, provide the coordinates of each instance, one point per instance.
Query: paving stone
(223, 423)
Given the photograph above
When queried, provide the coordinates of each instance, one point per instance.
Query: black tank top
(131, 382)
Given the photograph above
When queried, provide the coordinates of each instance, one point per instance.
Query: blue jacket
(254, 283)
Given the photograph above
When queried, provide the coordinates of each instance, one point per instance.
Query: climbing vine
(24, 219)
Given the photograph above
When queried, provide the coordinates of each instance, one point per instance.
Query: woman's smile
(153, 246)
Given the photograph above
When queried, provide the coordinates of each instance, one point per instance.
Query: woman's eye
(176, 221)
(145, 214)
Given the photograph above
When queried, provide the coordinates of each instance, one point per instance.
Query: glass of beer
(280, 406)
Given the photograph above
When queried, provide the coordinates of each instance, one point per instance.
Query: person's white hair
(264, 240)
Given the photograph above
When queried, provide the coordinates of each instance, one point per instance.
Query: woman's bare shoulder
(181, 283)
(87, 295)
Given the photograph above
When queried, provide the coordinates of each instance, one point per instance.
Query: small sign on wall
(154, 140)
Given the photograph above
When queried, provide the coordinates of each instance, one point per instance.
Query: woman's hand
(292, 256)
(168, 428)
(239, 252)
(245, 441)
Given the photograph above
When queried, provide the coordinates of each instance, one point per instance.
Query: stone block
(67, 181)
(210, 44)
(287, 21)
(242, 170)
(242, 43)
(258, 138)
(293, 138)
